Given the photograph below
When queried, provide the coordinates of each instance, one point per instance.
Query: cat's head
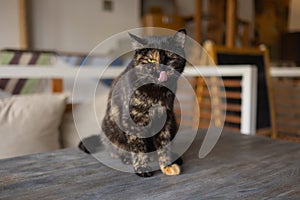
(160, 56)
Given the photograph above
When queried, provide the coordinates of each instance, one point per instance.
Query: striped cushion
(18, 57)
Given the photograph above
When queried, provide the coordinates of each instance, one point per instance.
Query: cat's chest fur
(147, 97)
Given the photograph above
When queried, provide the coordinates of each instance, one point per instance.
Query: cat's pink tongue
(162, 76)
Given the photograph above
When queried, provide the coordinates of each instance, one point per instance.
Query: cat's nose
(157, 66)
(162, 67)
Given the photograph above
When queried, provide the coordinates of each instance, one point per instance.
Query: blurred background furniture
(286, 94)
(212, 98)
(259, 57)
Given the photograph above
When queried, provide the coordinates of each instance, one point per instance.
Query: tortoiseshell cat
(141, 100)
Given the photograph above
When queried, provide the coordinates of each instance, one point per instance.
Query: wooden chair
(157, 18)
(212, 100)
(287, 108)
(206, 101)
(265, 120)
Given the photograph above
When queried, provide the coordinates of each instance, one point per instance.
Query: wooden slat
(232, 83)
(57, 85)
(205, 115)
(231, 95)
(288, 110)
(203, 125)
(288, 117)
(232, 128)
(225, 82)
(192, 81)
(234, 107)
(282, 99)
(286, 86)
(197, 19)
(289, 138)
(287, 120)
(230, 107)
(264, 132)
(233, 119)
(23, 24)
(69, 108)
(291, 130)
(287, 91)
(286, 80)
(206, 125)
(228, 118)
(231, 19)
(186, 122)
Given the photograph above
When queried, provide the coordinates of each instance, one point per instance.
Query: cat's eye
(151, 60)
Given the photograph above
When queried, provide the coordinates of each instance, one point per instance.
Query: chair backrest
(219, 104)
(205, 106)
(286, 94)
(265, 118)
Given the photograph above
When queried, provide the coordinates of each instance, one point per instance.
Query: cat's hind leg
(91, 144)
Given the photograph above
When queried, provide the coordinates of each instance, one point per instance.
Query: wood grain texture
(287, 108)
(231, 19)
(23, 24)
(229, 55)
(239, 167)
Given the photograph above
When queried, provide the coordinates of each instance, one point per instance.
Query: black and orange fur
(152, 55)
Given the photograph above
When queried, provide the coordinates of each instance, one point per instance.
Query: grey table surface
(239, 167)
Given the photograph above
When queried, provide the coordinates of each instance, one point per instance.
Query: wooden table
(239, 167)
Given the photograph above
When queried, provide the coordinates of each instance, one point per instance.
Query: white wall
(79, 25)
(186, 8)
(9, 23)
(245, 10)
(294, 16)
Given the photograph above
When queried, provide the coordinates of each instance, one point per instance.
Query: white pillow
(84, 120)
(4, 94)
(30, 123)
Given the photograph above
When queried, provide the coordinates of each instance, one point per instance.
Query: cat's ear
(179, 37)
(137, 42)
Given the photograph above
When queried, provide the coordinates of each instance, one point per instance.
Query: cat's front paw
(171, 170)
